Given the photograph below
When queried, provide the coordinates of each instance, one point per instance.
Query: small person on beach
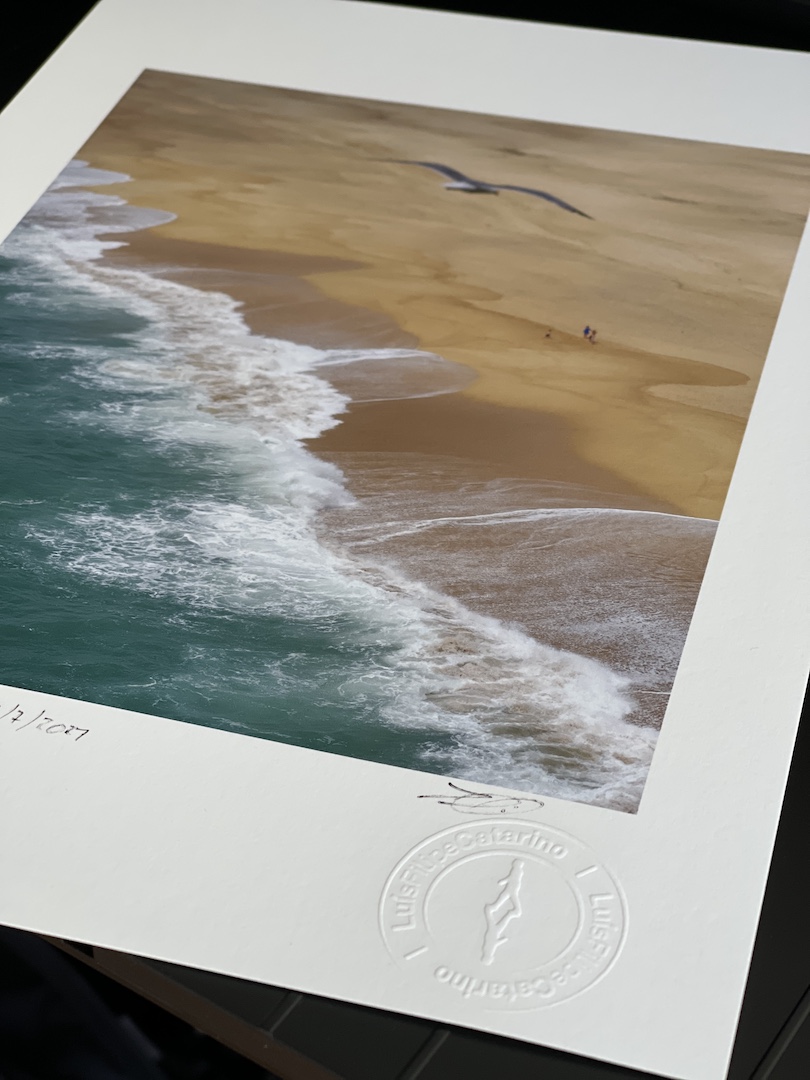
(586, 332)
(589, 335)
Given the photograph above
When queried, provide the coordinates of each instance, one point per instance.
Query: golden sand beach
(449, 530)
(680, 266)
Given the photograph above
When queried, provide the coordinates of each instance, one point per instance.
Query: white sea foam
(574, 593)
(494, 704)
(67, 221)
(78, 173)
(520, 713)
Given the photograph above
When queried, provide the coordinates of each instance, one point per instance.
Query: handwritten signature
(47, 724)
(484, 802)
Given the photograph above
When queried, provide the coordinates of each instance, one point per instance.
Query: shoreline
(499, 441)
(486, 412)
(438, 450)
(478, 536)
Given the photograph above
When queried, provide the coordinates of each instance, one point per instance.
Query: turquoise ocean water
(163, 549)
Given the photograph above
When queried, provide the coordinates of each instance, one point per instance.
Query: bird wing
(542, 195)
(445, 170)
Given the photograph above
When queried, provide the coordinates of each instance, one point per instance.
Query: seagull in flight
(459, 182)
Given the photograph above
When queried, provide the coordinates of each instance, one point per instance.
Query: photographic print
(389, 431)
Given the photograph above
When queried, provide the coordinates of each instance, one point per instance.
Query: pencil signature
(484, 802)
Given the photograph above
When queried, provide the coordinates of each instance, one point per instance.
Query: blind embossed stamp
(507, 913)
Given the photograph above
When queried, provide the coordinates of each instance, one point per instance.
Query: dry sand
(294, 200)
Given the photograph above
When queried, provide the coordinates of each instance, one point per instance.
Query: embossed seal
(510, 914)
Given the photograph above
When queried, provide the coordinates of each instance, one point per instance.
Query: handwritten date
(23, 720)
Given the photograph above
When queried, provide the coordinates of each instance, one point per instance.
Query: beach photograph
(391, 432)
